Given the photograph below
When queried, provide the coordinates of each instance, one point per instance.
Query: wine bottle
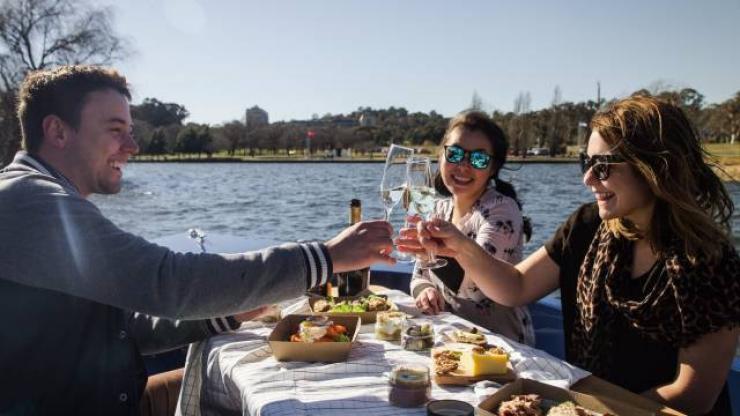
(354, 282)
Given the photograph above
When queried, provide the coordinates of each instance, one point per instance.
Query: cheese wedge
(478, 362)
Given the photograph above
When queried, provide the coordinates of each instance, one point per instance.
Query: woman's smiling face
(623, 194)
(463, 180)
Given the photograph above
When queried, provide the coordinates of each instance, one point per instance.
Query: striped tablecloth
(236, 374)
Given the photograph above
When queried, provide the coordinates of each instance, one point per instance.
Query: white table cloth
(236, 374)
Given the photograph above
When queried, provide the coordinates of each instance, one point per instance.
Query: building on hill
(256, 117)
(367, 119)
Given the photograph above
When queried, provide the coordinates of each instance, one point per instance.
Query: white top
(495, 223)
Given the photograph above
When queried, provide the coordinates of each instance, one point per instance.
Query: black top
(643, 363)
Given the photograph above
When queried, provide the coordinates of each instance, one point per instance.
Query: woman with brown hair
(649, 278)
(486, 209)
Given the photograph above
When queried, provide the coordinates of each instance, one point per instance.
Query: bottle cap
(449, 408)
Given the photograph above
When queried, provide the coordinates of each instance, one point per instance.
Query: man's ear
(56, 132)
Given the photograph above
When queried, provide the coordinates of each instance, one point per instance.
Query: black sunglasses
(599, 164)
(478, 159)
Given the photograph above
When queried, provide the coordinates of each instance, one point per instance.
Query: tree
(555, 124)
(476, 103)
(194, 138)
(235, 134)
(727, 118)
(159, 114)
(520, 125)
(39, 34)
(158, 143)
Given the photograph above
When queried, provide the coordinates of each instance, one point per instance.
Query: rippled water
(289, 202)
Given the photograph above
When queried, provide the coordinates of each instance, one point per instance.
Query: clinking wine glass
(423, 197)
(393, 188)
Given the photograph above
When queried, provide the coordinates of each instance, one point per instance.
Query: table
(236, 374)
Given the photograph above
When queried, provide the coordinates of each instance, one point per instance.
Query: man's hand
(253, 314)
(430, 301)
(361, 245)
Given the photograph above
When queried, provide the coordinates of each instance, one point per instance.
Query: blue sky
(297, 58)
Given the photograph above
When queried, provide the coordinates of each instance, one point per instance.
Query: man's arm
(60, 241)
(154, 335)
(702, 371)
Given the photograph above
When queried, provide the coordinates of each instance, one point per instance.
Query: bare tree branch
(38, 34)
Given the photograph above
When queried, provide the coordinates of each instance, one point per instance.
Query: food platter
(463, 375)
(365, 306)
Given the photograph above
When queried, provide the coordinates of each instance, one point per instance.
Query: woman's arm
(702, 371)
(500, 281)
(428, 298)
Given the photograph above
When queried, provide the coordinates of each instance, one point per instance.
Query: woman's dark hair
(477, 121)
(660, 143)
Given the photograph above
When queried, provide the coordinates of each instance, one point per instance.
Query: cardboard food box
(367, 317)
(600, 405)
(285, 350)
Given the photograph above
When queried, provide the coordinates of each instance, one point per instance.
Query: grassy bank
(727, 156)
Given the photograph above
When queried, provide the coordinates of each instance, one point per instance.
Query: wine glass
(423, 197)
(393, 187)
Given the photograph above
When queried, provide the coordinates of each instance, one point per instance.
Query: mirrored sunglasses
(599, 164)
(478, 159)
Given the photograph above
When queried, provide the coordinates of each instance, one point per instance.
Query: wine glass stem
(431, 252)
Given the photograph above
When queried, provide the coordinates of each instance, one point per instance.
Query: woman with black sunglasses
(484, 208)
(648, 275)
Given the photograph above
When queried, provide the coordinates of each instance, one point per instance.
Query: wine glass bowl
(393, 188)
(423, 199)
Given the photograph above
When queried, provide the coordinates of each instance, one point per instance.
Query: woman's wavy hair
(478, 121)
(692, 205)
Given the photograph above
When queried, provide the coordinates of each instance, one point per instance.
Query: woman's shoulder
(493, 199)
(575, 234)
(587, 214)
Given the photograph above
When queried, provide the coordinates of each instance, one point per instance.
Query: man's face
(100, 147)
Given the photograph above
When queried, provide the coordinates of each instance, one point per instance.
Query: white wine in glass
(423, 198)
(393, 187)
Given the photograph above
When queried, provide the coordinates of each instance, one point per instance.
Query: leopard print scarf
(679, 306)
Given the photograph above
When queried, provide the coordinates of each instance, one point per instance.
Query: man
(70, 280)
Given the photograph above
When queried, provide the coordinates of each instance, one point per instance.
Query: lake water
(297, 201)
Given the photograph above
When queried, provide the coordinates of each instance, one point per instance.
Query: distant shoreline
(730, 165)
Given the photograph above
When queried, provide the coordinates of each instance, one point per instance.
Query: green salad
(370, 303)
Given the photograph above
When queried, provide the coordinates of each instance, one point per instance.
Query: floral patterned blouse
(495, 223)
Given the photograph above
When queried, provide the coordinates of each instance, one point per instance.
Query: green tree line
(160, 127)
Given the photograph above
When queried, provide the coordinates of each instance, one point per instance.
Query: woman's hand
(442, 237)
(408, 239)
(430, 301)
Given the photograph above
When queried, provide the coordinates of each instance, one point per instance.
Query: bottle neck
(355, 215)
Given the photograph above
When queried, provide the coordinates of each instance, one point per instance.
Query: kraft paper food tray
(489, 407)
(284, 350)
(367, 317)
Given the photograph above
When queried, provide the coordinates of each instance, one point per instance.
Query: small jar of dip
(389, 325)
(410, 385)
(418, 335)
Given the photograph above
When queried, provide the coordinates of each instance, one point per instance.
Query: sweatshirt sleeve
(154, 335)
(59, 241)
